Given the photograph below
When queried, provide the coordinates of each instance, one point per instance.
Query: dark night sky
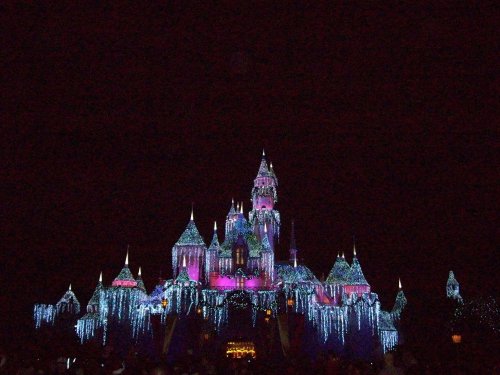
(379, 122)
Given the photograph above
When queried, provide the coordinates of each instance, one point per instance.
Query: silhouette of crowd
(106, 361)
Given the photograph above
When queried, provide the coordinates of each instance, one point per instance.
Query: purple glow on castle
(216, 278)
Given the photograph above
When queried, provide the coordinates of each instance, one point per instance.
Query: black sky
(379, 122)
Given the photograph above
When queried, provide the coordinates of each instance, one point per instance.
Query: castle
(239, 273)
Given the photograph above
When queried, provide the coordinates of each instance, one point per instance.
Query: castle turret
(356, 282)
(267, 258)
(140, 282)
(337, 278)
(125, 277)
(93, 305)
(400, 302)
(211, 258)
(453, 288)
(264, 197)
(293, 246)
(191, 245)
(68, 303)
(231, 217)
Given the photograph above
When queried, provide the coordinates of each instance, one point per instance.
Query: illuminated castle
(241, 273)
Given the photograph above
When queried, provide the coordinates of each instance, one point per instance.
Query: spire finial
(293, 245)
(343, 255)
(184, 261)
(271, 165)
(238, 207)
(139, 273)
(215, 226)
(263, 153)
(265, 227)
(241, 207)
(295, 262)
(69, 287)
(100, 277)
(126, 258)
(192, 212)
(400, 286)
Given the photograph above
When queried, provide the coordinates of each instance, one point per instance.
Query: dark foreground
(97, 360)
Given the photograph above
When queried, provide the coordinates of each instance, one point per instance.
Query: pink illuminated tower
(191, 246)
(264, 197)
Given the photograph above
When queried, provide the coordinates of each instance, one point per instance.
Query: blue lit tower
(191, 246)
(231, 218)
(212, 264)
(453, 288)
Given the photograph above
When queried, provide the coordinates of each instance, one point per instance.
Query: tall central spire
(293, 246)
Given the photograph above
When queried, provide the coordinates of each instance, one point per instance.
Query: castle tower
(93, 305)
(264, 197)
(356, 282)
(293, 246)
(400, 302)
(191, 245)
(125, 277)
(211, 257)
(267, 258)
(68, 303)
(231, 217)
(453, 288)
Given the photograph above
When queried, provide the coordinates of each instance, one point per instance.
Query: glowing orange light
(289, 302)
(456, 338)
(164, 302)
(268, 312)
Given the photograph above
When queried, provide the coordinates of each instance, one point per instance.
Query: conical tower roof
(356, 276)
(263, 168)
(68, 302)
(125, 277)
(401, 300)
(232, 211)
(293, 244)
(94, 300)
(273, 174)
(191, 236)
(339, 274)
(140, 282)
(214, 245)
(451, 279)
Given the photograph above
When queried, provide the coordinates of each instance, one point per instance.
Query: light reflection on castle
(239, 272)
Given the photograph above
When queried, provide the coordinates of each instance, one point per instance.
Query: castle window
(239, 256)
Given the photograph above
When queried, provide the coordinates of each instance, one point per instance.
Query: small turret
(211, 264)
(231, 217)
(453, 288)
(125, 277)
(140, 282)
(191, 245)
(400, 302)
(293, 246)
(339, 273)
(68, 303)
(356, 282)
(93, 305)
